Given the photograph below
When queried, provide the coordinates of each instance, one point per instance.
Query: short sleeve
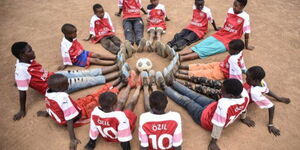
(68, 108)
(140, 2)
(260, 100)
(124, 132)
(110, 22)
(220, 115)
(94, 132)
(177, 137)
(22, 78)
(235, 71)
(65, 54)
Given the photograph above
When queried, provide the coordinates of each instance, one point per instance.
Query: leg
(177, 37)
(152, 80)
(128, 30)
(133, 101)
(116, 41)
(106, 70)
(191, 56)
(109, 45)
(182, 76)
(97, 61)
(104, 57)
(158, 34)
(82, 73)
(144, 76)
(138, 27)
(122, 98)
(208, 47)
(151, 35)
(185, 52)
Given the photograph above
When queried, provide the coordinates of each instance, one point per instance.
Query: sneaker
(152, 77)
(147, 47)
(139, 81)
(144, 75)
(141, 45)
(160, 81)
(123, 50)
(131, 79)
(125, 70)
(170, 53)
(129, 48)
(159, 47)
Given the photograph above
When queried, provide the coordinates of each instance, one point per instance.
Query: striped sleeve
(177, 137)
(220, 115)
(260, 100)
(143, 138)
(235, 71)
(110, 22)
(22, 78)
(65, 54)
(124, 132)
(68, 108)
(94, 132)
(246, 26)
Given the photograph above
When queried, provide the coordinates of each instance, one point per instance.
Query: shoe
(159, 48)
(125, 70)
(139, 81)
(147, 47)
(144, 75)
(120, 59)
(141, 45)
(131, 79)
(129, 48)
(170, 53)
(152, 77)
(160, 81)
(123, 50)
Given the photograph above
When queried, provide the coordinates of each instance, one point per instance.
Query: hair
(158, 100)
(97, 6)
(256, 73)
(55, 81)
(67, 28)
(107, 99)
(199, 0)
(233, 86)
(18, 48)
(242, 2)
(237, 45)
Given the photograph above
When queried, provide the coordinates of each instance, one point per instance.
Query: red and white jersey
(158, 132)
(256, 94)
(224, 111)
(131, 8)
(234, 27)
(100, 28)
(31, 75)
(233, 65)
(61, 107)
(199, 23)
(157, 17)
(70, 51)
(113, 126)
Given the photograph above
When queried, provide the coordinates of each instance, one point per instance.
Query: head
(254, 75)
(58, 83)
(199, 4)
(235, 46)
(108, 100)
(98, 10)
(22, 51)
(232, 88)
(239, 5)
(158, 101)
(154, 2)
(69, 31)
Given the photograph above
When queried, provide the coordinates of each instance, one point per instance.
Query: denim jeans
(133, 29)
(111, 43)
(193, 102)
(183, 38)
(81, 79)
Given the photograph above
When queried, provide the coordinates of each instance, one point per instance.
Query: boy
(159, 129)
(232, 67)
(132, 21)
(102, 30)
(236, 24)
(208, 113)
(29, 73)
(257, 88)
(196, 29)
(113, 124)
(74, 54)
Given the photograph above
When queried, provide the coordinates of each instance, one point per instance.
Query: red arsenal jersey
(100, 28)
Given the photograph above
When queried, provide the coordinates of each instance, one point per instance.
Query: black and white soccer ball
(144, 64)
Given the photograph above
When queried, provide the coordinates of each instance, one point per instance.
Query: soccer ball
(144, 64)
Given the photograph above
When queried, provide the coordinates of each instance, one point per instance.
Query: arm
(143, 10)
(22, 100)
(214, 25)
(73, 140)
(119, 13)
(280, 99)
(271, 127)
(125, 145)
(87, 39)
(90, 145)
(215, 135)
(177, 148)
(167, 19)
(62, 67)
(246, 120)
(248, 47)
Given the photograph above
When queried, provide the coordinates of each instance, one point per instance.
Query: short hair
(55, 80)
(66, 28)
(256, 73)
(199, 0)
(158, 100)
(18, 48)
(242, 2)
(97, 6)
(237, 45)
(233, 86)
(107, 99)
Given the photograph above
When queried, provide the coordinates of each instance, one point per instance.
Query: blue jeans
(133, 30)
(193, 102)
(81, 79)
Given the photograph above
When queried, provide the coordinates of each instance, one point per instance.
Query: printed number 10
(159, 142)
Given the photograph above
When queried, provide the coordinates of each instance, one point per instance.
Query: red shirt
(101, 28)
(157, 17)
(131, 8)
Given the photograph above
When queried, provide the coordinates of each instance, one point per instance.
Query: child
(148, 81)
(257, 88)
(208, 113)
(74, 54)
(159, 129)
(156, 20)
(113, 124)
(102, 30)
(29, 73)
(236, 24)
(232, 67)
(132, 22)
(196, 29)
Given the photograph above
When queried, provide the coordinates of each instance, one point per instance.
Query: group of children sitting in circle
(212, 103)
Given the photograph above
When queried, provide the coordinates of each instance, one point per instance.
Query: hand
(73, 144)
(42, 113)
(274, 130)
(218, 28)
(249, 47)
(87, 39)
(213, 146)
(247, 121)
(61, 67)
(167, 19)
(19, 115)
(117, 14)
(284, 100)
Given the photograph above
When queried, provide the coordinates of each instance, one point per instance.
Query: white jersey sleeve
(208, 14)
(68, 108)
(94, 132)
(92, 25)
(109, 21)
(64, 47)
(177, 137)
(258, 97)
(142, 134)
(120, 3)
(22, 77)
(235, 71)
(124, 132)
(220, 115)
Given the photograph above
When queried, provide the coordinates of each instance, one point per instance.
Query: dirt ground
(275, 30)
